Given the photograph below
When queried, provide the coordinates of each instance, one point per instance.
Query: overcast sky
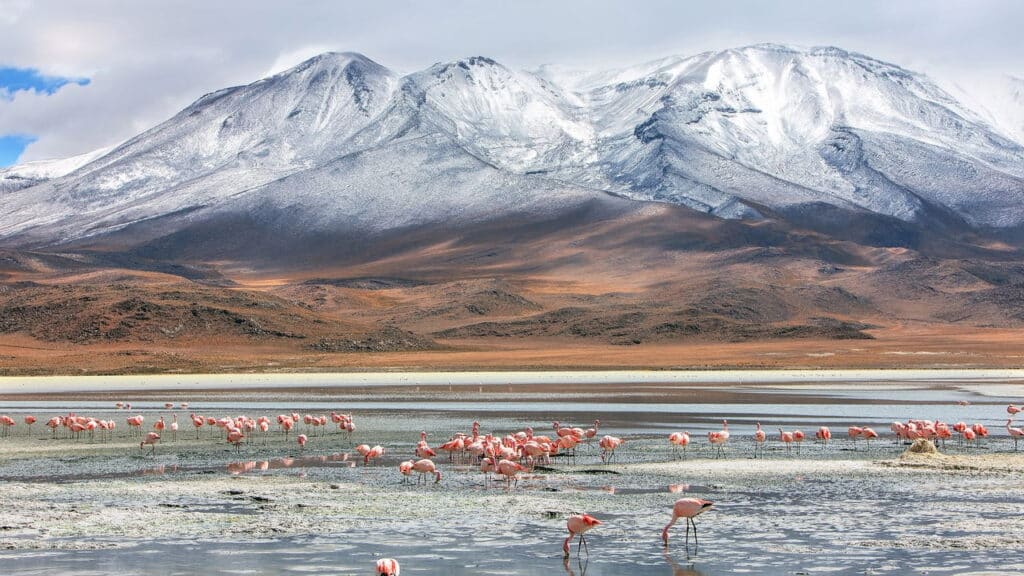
(133, 64)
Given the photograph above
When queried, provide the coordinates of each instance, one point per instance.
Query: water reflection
(678, 570)
(581, 565)
(325, 460)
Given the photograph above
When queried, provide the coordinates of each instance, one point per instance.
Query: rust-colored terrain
(656, 287)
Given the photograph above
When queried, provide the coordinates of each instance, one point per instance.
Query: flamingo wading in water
(387, 567)
(719, 438)
(579, 524)
(687, 508)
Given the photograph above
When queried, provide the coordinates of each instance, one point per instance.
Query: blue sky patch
(24, 79)
(12, 146)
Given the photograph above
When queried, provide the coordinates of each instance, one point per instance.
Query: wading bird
(579, 524)
(387, 567)
(719, 438)
(151, 438)
(687, 508)
(1015, 433)
(759, 438)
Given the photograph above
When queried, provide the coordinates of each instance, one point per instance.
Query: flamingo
(301, 439)
(787, 439)
(719, 438)
(373, 453)
(823, 434)
(589, 433)
(406, 469)
(29, 421)
(509, 470)
(687, 508)
(1015, 433)
(869, 434)
(798, 437)
(679, 440)
(854, 432)
(980, 430)
(608, 445)
(7, 423)
(197, 421)
(423, 450)
(759, 438)
(387, 567)
(235, 437)
(151, 438)
(579, 524)
(174, 428)
(425, 467)
(1013, 410)
(968, 435)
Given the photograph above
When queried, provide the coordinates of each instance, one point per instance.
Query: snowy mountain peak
(340, 140)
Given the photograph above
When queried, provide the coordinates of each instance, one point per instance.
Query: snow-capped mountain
(340, 143)
(32, 173)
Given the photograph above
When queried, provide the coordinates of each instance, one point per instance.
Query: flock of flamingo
(505, 456)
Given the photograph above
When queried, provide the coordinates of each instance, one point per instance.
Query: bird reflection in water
(581, 566)
(236, 468)
(678, 570)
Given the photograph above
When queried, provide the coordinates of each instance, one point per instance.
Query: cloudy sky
(75, 76)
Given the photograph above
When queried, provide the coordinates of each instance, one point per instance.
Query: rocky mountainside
(341, 148)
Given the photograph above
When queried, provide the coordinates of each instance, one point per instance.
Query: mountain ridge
(341, 142)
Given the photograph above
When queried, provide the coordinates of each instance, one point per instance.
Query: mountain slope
(781, 127)
(341, 147)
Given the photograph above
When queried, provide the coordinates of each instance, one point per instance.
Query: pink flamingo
(968, 435)
(980, 430)
(53, 423)
(425, 467)
(1015, 433)
(423, 450)
(509, 470)
(7, 422)
(29, 421)
(854, 432)
(579, 524)
(688, 508)
(387, 567)
(151, 438)
(798, 437)
(1012, 410)
(372, 454)
(197, 421)
(759, 438)
(174, 429)
(679, 440)
(787, 439)
(590, 433)
(719, 438)
(869, 434)
(301, 439)
(823, 434)
(235, 437)
(406, 469)
(608, 445)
